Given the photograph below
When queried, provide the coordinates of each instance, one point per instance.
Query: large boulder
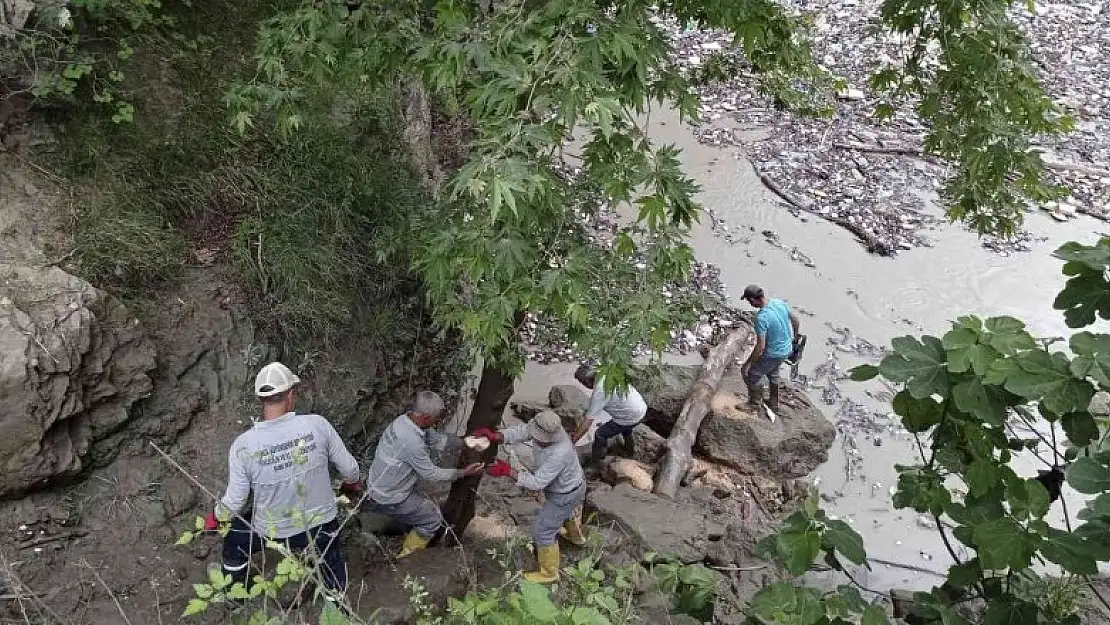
(791, 447)
(72, 362)
(665, 389)
(685, 530)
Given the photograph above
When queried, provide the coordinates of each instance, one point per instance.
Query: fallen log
(873, 244)
(678, 454)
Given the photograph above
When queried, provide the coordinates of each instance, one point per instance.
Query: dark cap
(752, 291)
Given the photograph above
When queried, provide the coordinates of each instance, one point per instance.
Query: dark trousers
(606, 431)
(241, 542)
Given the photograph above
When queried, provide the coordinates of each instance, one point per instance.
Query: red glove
(354, 489)
(499, 468)
(211, 523)
(489, 434)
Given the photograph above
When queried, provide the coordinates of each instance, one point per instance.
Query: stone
(570, 402)
(624, 470)
(74, 361)
(791, 447)
(665, 390)
(649, 445)
(666, 527)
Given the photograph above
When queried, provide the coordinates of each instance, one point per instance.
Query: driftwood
(873, 244)
(915, 152)
(678, 455)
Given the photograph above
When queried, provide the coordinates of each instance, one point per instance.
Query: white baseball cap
(274, 378)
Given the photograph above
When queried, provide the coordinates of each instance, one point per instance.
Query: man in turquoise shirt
(775, 328)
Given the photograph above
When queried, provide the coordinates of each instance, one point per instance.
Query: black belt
(580, 485)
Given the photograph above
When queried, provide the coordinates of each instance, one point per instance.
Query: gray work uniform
(559, 475)
(284, 462)
(400, 459)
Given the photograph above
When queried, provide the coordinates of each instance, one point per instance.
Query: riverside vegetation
(310, 188)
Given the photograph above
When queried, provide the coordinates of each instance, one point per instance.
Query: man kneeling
(401, 457)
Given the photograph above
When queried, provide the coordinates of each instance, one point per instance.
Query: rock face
(672, 528)
(72, 362)
(791, 447)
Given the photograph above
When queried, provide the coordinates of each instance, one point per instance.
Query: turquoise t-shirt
(772, 322)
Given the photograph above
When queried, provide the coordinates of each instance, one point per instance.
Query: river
(877, 299)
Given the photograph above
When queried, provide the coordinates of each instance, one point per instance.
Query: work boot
(572, 529)
(548, 560)
(755, 397)
(773, 398)
(413, 542)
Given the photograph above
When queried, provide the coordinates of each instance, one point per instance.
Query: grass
(314, 226)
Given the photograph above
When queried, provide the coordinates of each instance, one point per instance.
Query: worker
(282, 462)
(775, 328)
(559, 475)
(619, 412)
(401, 457)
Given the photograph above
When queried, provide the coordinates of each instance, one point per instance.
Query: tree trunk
(678, 456)
(493, 395)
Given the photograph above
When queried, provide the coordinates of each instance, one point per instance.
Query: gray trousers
(766, 366)
(558, 508)
(416, 511)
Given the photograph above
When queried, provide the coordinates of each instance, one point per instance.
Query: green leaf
(1071, 552)
(982, 476)
(863, 373)
(185, 538)
(781, 599)
(537, 602)
(1011, 611)
(1080, 428)
(1092, 357)
(840, 536)
(874, 615)
(1008, 335)
(981, 401)
(1087, 293)
(1002, 544)
(965, 574)
(1047, 377)
(1089, 476)
(977, 358)
(1096, 508)
(1029, 497)
(918, 415)
(798, 550)
(332, 615)
(920, 364)
(195, 606)
(203, 591)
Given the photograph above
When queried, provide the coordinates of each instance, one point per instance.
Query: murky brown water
(877, 299)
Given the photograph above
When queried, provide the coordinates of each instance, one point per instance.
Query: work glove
(492, 436)
(354, 489)
(500, 468)
(211, 523)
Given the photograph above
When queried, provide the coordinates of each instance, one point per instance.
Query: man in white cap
(559, 476)
(402, 457)
(283, 462)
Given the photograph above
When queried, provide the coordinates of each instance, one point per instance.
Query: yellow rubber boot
(572, 529)
(548, 559)
(413, 542)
